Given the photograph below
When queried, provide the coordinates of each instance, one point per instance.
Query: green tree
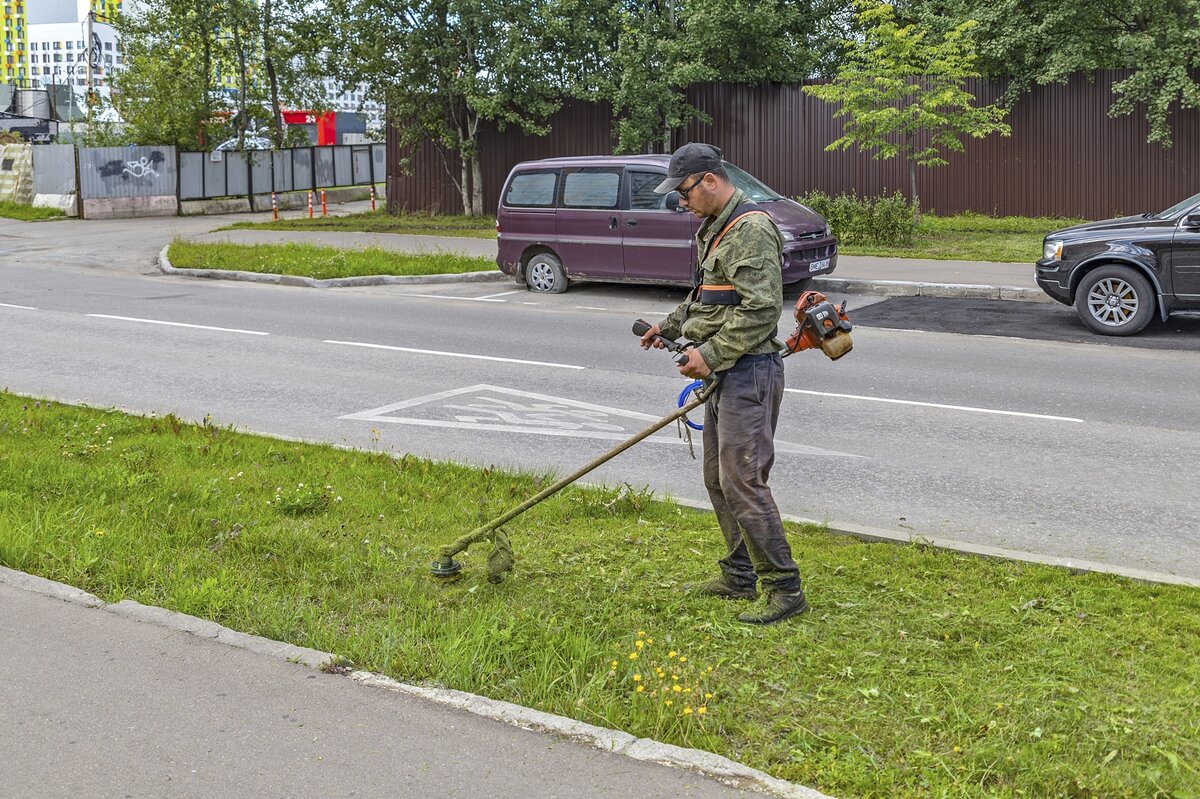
(1037, 42)
(661, 47)
(901, 93)
(200, 71)
(447, 67)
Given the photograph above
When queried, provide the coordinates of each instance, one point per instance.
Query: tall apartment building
(57, 45)
(13, 70)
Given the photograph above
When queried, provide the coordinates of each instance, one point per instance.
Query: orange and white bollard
(310, 205)
(372, 196)
(274, 207)
(324, 210)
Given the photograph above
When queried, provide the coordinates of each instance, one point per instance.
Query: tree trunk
(464, 186)
(243, 84)
(272, 78)
(916, 201)
(476, 185)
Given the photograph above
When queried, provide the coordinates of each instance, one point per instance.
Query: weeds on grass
(918, 673)
(308, 260)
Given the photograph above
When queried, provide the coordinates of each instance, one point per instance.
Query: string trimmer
(500, 559)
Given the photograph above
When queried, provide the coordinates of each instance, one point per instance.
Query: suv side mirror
(671, 201)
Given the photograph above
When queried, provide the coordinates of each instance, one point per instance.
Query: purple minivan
(598, 218)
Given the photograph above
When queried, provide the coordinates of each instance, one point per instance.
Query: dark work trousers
(739, 450)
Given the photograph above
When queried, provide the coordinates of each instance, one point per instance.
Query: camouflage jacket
(749, 258)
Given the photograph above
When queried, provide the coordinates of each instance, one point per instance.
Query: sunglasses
(683, 193)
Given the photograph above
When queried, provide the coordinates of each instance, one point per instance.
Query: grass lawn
(967, 237)
(27, 212)
(382, 222)
(310, 260)
(971, 237)
(917, 674)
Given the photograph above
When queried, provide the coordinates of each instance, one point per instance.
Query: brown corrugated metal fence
(1066, 156)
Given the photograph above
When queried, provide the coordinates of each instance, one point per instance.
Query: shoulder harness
(722, 294)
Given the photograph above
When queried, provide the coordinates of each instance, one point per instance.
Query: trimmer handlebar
(641, 327)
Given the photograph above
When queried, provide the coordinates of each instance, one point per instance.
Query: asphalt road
(1084, 449)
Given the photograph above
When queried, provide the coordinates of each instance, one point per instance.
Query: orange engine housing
(820, 324)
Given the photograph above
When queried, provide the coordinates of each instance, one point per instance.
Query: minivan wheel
(1115, 301)
(544, 274)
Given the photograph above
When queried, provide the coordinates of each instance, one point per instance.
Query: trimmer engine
(820, 323)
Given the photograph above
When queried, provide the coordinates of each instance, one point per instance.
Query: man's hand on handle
(695, 367)
(649, 340)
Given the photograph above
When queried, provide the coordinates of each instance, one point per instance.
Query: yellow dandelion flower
(672, 653)
(676, 688)
(633, 655)
(687, 711)
(641, 688)
(649, 640)
(639, 644)
(687, 690)
(958, 749)
(637, 678)
(668, 703)
(700, 711)
(999, 706)
(710, 669)
(614, 664)
(682, 659)
(641, 633)
(708, 696)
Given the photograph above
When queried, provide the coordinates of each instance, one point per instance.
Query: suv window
(532, 190)
(641, 192)
(591, 188)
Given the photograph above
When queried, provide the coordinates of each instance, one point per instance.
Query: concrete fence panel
(128, 181)
(54, 178)
(16, 173)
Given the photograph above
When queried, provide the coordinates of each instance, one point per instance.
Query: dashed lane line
(938, 405)
(178, 324)
(472, 356)
(19, 307)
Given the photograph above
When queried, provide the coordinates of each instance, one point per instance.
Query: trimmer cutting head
(447, 569)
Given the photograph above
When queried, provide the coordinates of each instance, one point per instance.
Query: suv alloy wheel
(1115, 301)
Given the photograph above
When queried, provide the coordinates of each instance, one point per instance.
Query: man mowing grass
(732, 314)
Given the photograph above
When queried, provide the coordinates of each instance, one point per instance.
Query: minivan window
(532, 190)
(753, 189)
(642, 196)
(587, 188)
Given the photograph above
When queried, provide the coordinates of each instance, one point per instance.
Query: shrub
(885, 220)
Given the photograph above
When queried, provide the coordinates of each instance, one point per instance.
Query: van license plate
(818, 266)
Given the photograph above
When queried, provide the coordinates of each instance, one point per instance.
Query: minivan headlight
(1052, 250)
(788, 235)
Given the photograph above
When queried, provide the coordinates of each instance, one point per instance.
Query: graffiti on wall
(127, 171)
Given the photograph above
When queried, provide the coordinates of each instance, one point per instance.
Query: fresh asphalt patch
(1018, 320)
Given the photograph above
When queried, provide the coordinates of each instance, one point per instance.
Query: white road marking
(450, 297)
(453, 354)
(937, 405)
(490, 296)
(22, 307)
(488, 407)
(590, 308)
(179, 324)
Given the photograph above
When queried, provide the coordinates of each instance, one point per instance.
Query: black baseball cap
(690, 159)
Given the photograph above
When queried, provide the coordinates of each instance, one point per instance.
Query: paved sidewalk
(99, 703)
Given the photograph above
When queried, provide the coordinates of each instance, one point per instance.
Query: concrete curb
(706, 763)
(880, 535)
(886, 288)
(164, 266)
(905, 288)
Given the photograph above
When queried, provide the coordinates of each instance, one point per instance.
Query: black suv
(1118, 272)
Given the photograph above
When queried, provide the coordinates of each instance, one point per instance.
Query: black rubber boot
(721, 587)
(779, 606)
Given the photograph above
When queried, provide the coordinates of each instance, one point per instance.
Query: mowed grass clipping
(918, 673)
(380, 221)
(309, 260)
(28, 213)
(971, 237)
